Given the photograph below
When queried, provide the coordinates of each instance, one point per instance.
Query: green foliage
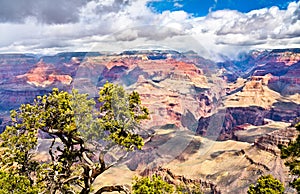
(71, 120)
(266, 185)
(152, 185)
(121, 114)
(14, 183)
(292, 155)
(84, 113)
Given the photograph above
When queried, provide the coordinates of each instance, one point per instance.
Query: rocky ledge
(206, 187)
(269, 142)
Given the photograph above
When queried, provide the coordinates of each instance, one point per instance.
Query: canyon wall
(183, 90)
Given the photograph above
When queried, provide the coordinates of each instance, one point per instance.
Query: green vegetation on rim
(266, 184)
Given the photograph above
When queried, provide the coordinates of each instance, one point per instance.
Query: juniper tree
(71, 121)
(266, 184)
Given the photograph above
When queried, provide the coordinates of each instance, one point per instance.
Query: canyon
(216, 123)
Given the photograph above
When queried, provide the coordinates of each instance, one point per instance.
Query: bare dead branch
(87, 159)
(50, 149)
(118, 188)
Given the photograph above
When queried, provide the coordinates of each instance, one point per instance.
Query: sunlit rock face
(44, 75)
(23, 77)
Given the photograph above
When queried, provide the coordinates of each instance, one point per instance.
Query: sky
(212, 28)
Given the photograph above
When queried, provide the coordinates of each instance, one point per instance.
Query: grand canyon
(215, 123)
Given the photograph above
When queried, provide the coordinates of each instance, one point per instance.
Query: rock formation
(270, 142)
(269, 90)
(187, 95)
(232, 117)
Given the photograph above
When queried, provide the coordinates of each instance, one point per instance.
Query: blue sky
(203, 7)
(209, 27)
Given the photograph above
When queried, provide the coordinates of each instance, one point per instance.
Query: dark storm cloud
(53, 11)
(45, 11)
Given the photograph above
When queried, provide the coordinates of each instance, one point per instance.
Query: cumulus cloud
(261, 24)
(264, 28)
(66, 25)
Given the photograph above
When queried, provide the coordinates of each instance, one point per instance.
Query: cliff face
(179, 89)
(232, 117)
(229, 119)
(284, 76)
(252, 104)
(43, 75)
(269, 142)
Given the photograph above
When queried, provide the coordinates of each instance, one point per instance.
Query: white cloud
(121, 24)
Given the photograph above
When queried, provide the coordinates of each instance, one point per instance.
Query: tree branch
(50, 148)
(86, 158)
(118, 188)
